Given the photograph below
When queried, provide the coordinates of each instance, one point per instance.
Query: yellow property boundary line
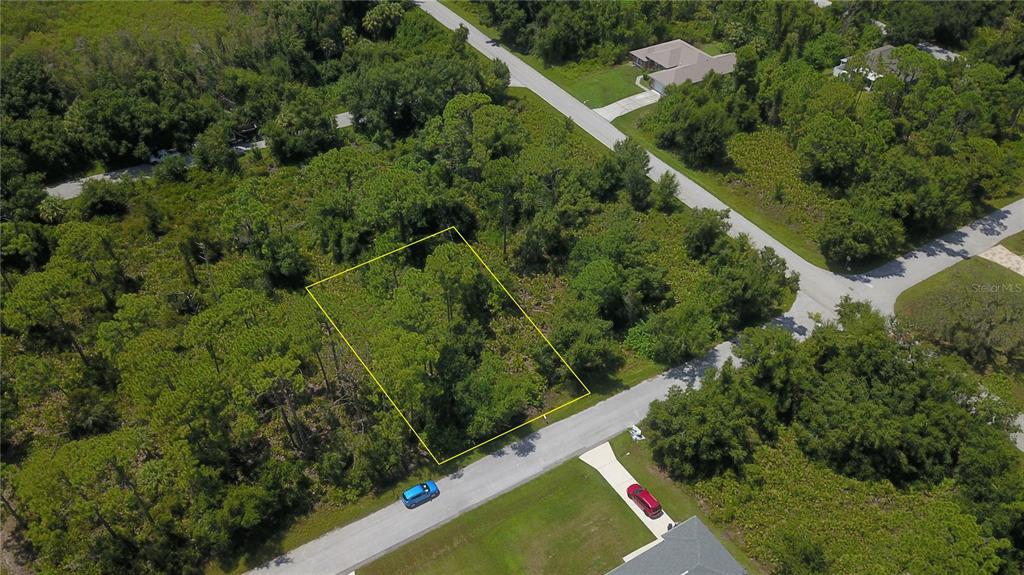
(387, 395)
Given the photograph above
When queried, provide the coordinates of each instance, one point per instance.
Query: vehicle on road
(161, 155)
(419, 494)
(644, 500)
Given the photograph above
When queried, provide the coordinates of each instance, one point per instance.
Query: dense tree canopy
(860, 399)
(172, 393)
(924, 150)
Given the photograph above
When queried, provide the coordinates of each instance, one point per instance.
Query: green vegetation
(1015, 243)
(974, 309)
(173, 395)
(842, 176)
(594, 82)
(805, 518)
(566, 521)
(853, 416)
(145, 77)
(753, 202)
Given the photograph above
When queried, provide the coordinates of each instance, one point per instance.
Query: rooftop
(671, 54)
(688, 548)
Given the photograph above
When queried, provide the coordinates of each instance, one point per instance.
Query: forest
(926, 148)
(171, 394)
(858, 403)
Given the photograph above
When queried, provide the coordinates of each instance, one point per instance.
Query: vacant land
(446, 343)
(975, 309)
(566, 521)
(786, 506)
(752, 192)
(592, 83)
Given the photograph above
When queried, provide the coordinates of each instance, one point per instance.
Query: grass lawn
(566, 521)
(593, 84)
(925, 298)
(676, 498)
(1015, 243)
(924, 307)
(737, 195)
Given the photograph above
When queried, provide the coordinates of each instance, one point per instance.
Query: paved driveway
(603, 459)
(628, 104)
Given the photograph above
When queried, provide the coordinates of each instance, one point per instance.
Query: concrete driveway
(1004, 257)
(628, 104)
(603, 459)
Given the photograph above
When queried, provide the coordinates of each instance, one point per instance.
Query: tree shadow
(690, 373)
(525, 446)
(992, 224)
(790, 324)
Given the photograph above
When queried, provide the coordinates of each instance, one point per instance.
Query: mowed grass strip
(923, 302)
(568, 520)
(1015, 243)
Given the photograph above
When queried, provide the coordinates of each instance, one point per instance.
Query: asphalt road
(72, 188)
(344, 549)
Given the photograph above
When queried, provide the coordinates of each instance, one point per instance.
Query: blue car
(419, 494)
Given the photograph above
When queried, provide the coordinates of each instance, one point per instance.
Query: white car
(635, 433)
(161, 155)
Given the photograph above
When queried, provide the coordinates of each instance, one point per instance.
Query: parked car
(419, 494)
(161, 155)
(644, 500)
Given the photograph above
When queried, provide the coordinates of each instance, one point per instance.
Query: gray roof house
(881, 61)
(676, 61)
(688, 548)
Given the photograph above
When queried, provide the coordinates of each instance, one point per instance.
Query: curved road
(346, 548)
(72, 188)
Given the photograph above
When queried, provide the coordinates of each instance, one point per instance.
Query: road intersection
(343, 550)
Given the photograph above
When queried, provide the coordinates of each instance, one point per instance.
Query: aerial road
(343, 550)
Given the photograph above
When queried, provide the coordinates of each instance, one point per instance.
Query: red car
(644, 500)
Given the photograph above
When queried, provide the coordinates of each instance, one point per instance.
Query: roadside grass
(921, 302)
(1003, 201)
(678, 500)
(924, 307)
(594, 84)
(739, 194)
(328, 517)
(1008, 387)
(1015, 243)
(568, 520)
(305, 528)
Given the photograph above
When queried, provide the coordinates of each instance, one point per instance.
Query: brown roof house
(676, 61)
